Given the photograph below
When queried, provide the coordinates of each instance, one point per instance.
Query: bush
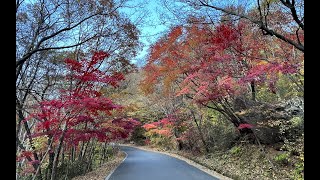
(282, 159)
(219, 132)
(235, 150)
(298, 171)
(138, 136)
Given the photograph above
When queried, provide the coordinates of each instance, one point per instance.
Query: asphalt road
(145, 165)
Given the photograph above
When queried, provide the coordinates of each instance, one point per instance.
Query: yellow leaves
(266, 2)
(301, 71)
(40, 142)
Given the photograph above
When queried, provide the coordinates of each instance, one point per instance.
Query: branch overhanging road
(145, 165)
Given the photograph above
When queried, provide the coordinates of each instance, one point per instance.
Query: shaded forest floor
(102, 172)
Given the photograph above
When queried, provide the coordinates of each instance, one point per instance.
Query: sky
(148, 23)
(148, 16)
(151, 22)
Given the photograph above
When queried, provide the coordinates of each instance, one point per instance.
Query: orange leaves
(164, 132)
(151, 75)
(156, 50)
(164, 45)
(149, 126)
(162, 127)
(174, 34)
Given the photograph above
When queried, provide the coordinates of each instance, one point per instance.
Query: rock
(266, 117)
(294, 106)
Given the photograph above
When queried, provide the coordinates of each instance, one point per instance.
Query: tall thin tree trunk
(57, 153)
(73, 153)
(83, 153)
(62, 153)
(104, 151)
(26, 126)
(90, 156)
(51, 157)
(253, 91)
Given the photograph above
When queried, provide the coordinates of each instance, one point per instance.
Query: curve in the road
(145, 165)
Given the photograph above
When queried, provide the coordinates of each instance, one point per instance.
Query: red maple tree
(80, 112)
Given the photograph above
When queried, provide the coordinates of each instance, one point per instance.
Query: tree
(48, 32)
(283, 19)
(79, 113)
(214, 66)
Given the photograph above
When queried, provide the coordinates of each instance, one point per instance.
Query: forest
(223, 85)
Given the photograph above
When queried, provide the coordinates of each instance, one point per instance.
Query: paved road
(145, 165)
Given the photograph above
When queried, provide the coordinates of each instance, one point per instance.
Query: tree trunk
(73, 153)
(200, 132)
(104, 151)
(26, 126)
(57, 153)
(90, 156)
(62, 153)
(84, 151)
(51, 157)
(253, 91)
(178, 141)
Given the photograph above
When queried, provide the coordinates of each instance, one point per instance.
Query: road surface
(145, 165)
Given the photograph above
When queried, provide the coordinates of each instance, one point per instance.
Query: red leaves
(82, 107)
(243, 126)
(35, 162)
(80, 119)
(73, 64)
(224, 36)
(88, 70)
(97, 57)
(183, 91)
(217, 63)
(26, 154)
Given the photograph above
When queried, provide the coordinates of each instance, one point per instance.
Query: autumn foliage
(80, 112)
(212, 66)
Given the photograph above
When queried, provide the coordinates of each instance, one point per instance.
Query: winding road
(145, 165)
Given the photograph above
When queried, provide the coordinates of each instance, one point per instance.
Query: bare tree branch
(259, 23)
(293, 12)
